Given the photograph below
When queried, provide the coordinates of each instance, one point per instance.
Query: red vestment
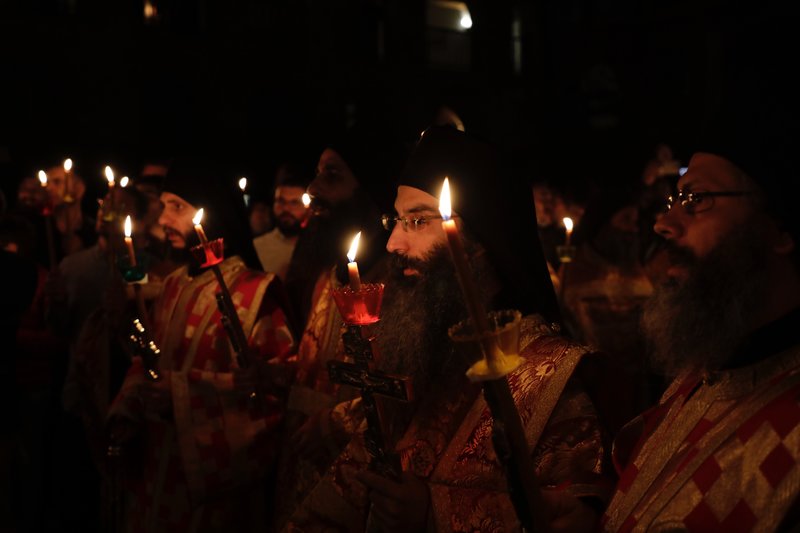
(205, 461)
(719, 453)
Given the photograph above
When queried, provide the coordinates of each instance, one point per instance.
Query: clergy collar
(766, 341)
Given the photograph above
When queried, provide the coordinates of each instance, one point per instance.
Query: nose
(163, 218)
(669, 224)
(398, 240)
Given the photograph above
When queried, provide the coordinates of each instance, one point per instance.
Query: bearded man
(275, 247)
(452, 480)
(720, 451)
(207, 430)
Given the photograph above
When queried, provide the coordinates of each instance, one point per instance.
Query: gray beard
(699, 324)
(416, 313)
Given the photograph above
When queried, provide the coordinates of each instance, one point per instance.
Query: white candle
(352, 266)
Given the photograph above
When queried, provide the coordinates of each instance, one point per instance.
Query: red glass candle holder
(362, 307)
(210, 253)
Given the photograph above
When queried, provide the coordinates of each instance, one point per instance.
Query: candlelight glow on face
(67, 164)
(444, 201)
(109, 176)
(124, 182)
(242, 184)
(42, 178)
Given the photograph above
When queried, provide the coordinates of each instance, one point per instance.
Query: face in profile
(176, 219)
(334, 182)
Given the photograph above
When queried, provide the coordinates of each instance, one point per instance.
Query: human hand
(397, 505)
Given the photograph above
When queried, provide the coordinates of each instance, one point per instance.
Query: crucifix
(360, 309)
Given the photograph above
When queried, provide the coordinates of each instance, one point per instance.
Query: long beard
(699, 323)
(416, 314)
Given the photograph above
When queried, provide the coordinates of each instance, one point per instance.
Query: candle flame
(444, 200)
(306, 199)
(109, 175)
(124, 182)
(128, 226)
(568, 224)
(67, 164)
(242, 183)
(351, 254)
(198, 217)
(43, 178)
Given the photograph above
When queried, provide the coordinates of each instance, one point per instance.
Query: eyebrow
(421, 208)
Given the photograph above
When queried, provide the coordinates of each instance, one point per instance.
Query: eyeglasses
(409, 224)
(694, 202)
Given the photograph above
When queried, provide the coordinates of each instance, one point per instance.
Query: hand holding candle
(129, 241)
(198, 218)
(352, 266)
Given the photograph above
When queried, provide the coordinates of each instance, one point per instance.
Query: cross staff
(370, 382)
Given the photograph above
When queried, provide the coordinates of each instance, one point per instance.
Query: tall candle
(568, 225)
(129, 240)
(352, 266)
(459, 254)
(198, 228)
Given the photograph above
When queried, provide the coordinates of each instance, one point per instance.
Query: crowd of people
(173, 352)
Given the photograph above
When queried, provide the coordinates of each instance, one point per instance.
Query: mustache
(679, 255)
(400, 262)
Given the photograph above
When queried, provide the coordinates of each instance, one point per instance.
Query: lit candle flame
(568, 224)
(128, 225)
(67, 164)
(444, 200)
(43, 178)
(306, 199)
(351, 254)
(242, 183)
(124, 182)
(109, 175)
(198, 217)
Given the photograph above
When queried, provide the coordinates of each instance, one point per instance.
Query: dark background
(572, 89)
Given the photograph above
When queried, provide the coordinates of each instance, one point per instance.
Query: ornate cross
(371, 382)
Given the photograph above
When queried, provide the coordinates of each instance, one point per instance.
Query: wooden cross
(371, 382)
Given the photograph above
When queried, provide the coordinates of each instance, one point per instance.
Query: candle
(109, 176)
(568, 225)
(198, 217)
(352, 266)
(459, 254)
(124, 182)
(43, 179)
(306, 200)
(242, 187)
(67, 179)
(48, 224)
(129, 240)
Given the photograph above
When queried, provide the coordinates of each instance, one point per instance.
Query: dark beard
(700, 323)
(416, 313)
(289, 227)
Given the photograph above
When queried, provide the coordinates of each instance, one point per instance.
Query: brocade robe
(718, 453)
(203, 465)
(448, 444)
